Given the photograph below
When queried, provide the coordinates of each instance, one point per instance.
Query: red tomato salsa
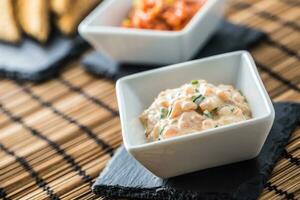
(169, 15)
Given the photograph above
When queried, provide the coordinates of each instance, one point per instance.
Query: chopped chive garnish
(232, 109)
(216, 126)
(162, 129)
(169, 111)
(194, 82)
(163, 113)
(198, 99)
(196, 90)
(207, 114)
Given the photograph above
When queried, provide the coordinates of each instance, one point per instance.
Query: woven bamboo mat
(56, 137)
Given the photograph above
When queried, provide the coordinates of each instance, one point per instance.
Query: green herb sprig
(207, 114)
(198, 99)
(194, 82)
(163, 113)
(169, 111)
(162, 129)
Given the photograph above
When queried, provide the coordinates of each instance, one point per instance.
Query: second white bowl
(102, 29)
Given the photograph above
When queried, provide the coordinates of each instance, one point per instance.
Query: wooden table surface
(55, 136)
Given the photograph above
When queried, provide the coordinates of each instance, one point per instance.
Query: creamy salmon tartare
(193, 107)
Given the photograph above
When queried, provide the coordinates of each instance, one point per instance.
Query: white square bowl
(200, 150)
(102, 29)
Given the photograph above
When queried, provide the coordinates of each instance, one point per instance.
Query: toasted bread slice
(9, 30)
(68, 22)
(60, 7)
(33, 16)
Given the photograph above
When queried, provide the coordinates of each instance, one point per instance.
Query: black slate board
(124, 177)
(33, 61)
(228, 37)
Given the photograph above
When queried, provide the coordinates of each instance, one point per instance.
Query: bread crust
(68, 22)
(33, 16)
(9, 29)
(60, 7)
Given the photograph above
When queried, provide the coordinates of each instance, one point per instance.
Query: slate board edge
(160, 193)
(79, 47)
(141, 193)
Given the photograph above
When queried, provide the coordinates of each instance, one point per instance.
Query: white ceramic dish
(201, 150)
(102, 29)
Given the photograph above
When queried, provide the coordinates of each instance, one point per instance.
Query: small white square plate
(102, 29)
(201, 150)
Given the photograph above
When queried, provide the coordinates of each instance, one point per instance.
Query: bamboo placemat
(56, 137)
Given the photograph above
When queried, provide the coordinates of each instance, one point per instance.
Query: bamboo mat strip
(281, 47)
(269, 39)
(55, 145)
(84, 129)
(267, 15)
(34, 132)
(280, 192)
(39, 181)
(277, 76)
(291, 158)
(89, 97)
